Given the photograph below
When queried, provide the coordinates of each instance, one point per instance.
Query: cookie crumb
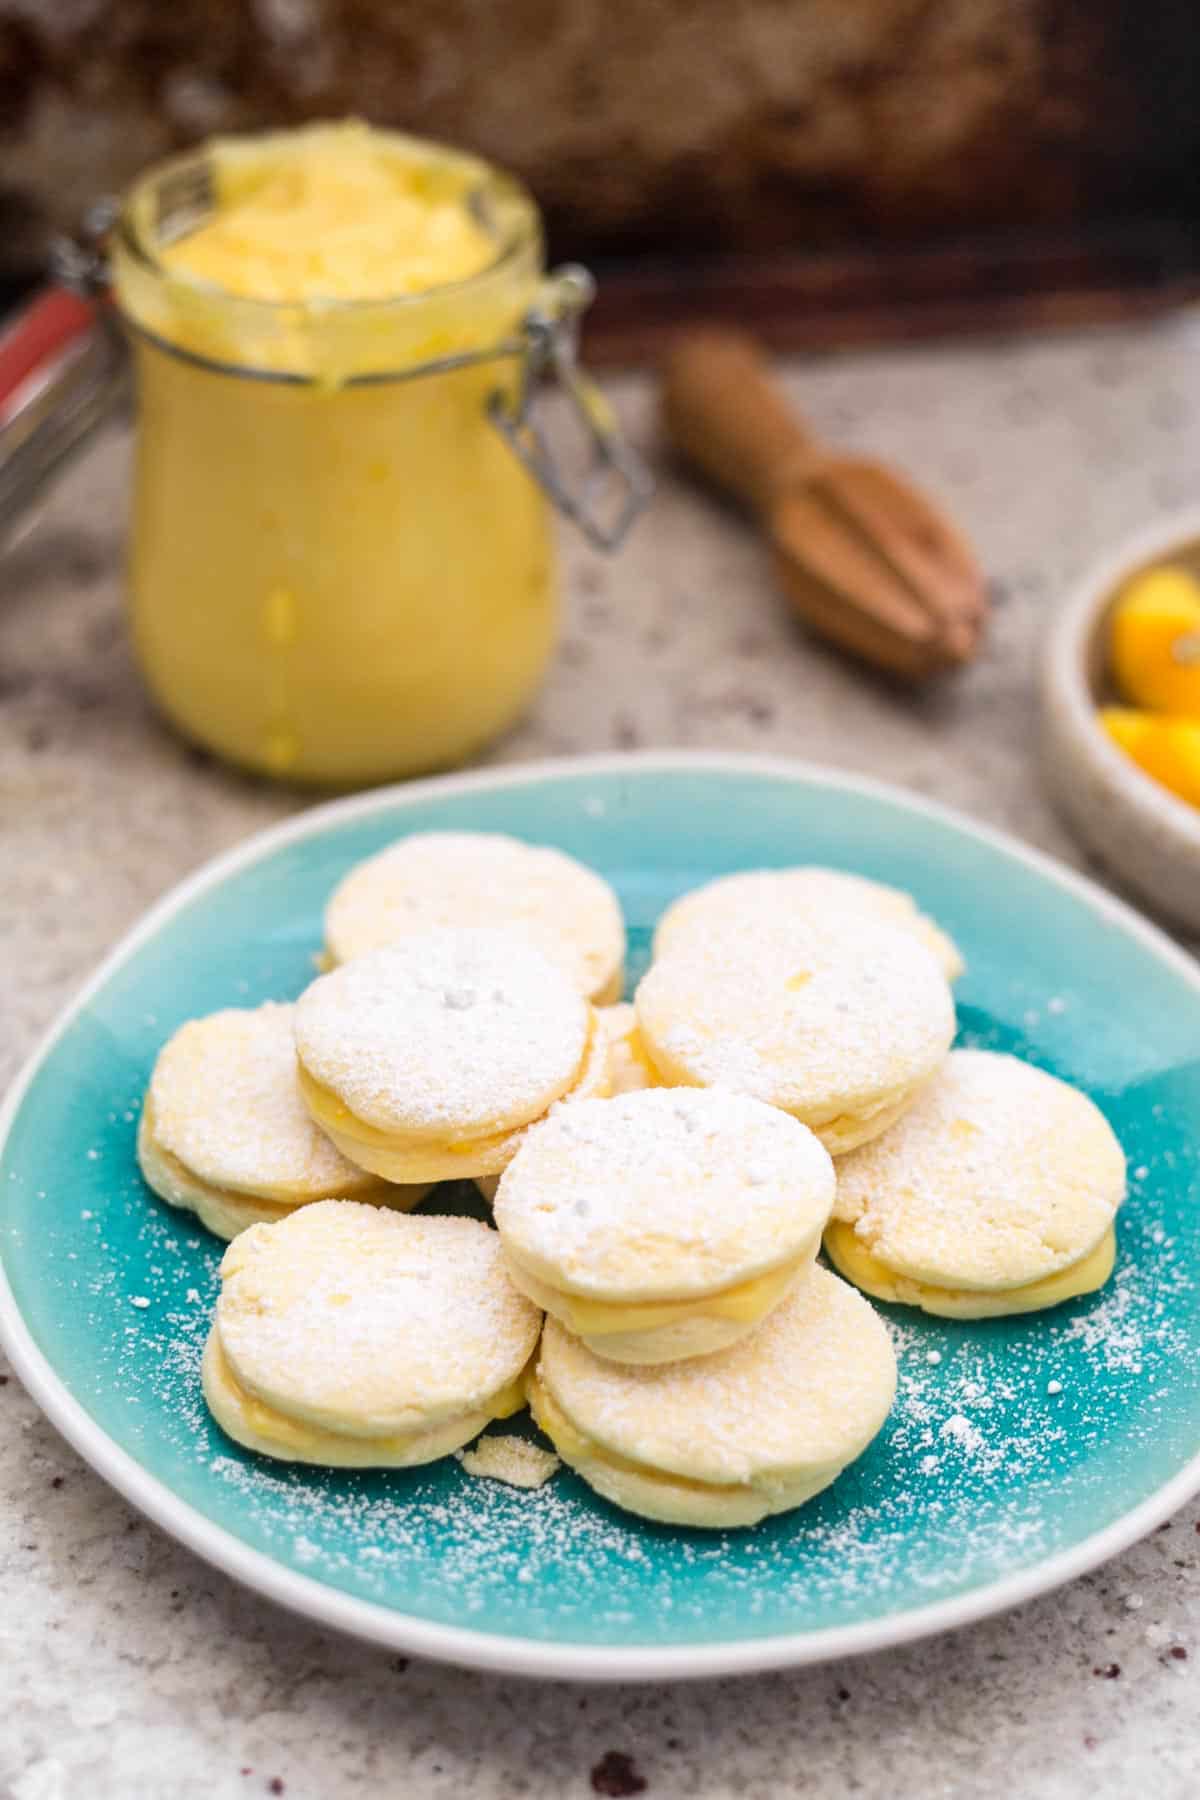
(512, 1460)
(617, 1775)
(1109, 1672)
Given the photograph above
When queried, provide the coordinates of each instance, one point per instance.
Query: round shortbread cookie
(445, 1036)
(725, 1439)
(225, 1133)
(622, 1217)
(461, 878)
(998, 1177)
(738, 902)
(354, 1335)
(838, 1020)
(226, 1212)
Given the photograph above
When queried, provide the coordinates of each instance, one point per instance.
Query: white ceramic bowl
(1144, 833)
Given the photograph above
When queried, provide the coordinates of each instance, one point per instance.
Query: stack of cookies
(662, 1176)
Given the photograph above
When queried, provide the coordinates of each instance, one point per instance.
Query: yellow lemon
(1154, 645)
(1166, 748)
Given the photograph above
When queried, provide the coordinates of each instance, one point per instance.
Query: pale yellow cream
(662, 1494)
(853, 1260)
(227, 1211)
(575, 1447)
(250, 1421)
(408, 1160)
(745, 1303)
(333, 212)
(339, 571)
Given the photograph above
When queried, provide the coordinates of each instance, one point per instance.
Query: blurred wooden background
(836, 169)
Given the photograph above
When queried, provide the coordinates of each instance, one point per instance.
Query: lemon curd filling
(661, 1493)
(840, 1132)
(744, 1303)
(574, 1446)
(333, 212)
(339, 571)
(851, 1257)
(282, 1194)
(412, 1159)
(848, 1130)
(264, 1427)
(228, 1211)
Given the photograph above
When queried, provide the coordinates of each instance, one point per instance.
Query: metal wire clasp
(616, 486)
(77, 381)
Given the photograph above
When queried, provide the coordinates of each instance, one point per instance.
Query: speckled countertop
(130, 1669)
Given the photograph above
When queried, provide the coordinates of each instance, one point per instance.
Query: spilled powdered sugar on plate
(1009, 1439)
(995, 1426)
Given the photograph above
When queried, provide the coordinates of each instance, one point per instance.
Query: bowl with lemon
(1121, 716)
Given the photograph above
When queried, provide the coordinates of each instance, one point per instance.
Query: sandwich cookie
(225, 1134)
(666, 1223)
(995, 1194)
(737, 902)
(426, 1062)
(464, 878)
(358, 1338)
(838, 1020)
(724, 1440)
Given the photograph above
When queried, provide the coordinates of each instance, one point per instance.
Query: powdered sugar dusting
(820, 1016)
(918, 1517)
(1112, 1329)
(809, 1387)
(669, 1191)
(739, 903)
(998, 1174)
(226, 1102)
(372, 1321)
(450, 1031)
(474, 878)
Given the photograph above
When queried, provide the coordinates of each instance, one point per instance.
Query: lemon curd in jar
(339, 570)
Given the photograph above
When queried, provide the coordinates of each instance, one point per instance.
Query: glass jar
(341, 564)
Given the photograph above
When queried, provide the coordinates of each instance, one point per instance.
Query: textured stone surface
(134, 1672)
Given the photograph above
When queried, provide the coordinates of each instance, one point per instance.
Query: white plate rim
(488, 1651)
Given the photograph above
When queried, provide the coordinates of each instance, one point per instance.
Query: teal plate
(1019, 1452)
